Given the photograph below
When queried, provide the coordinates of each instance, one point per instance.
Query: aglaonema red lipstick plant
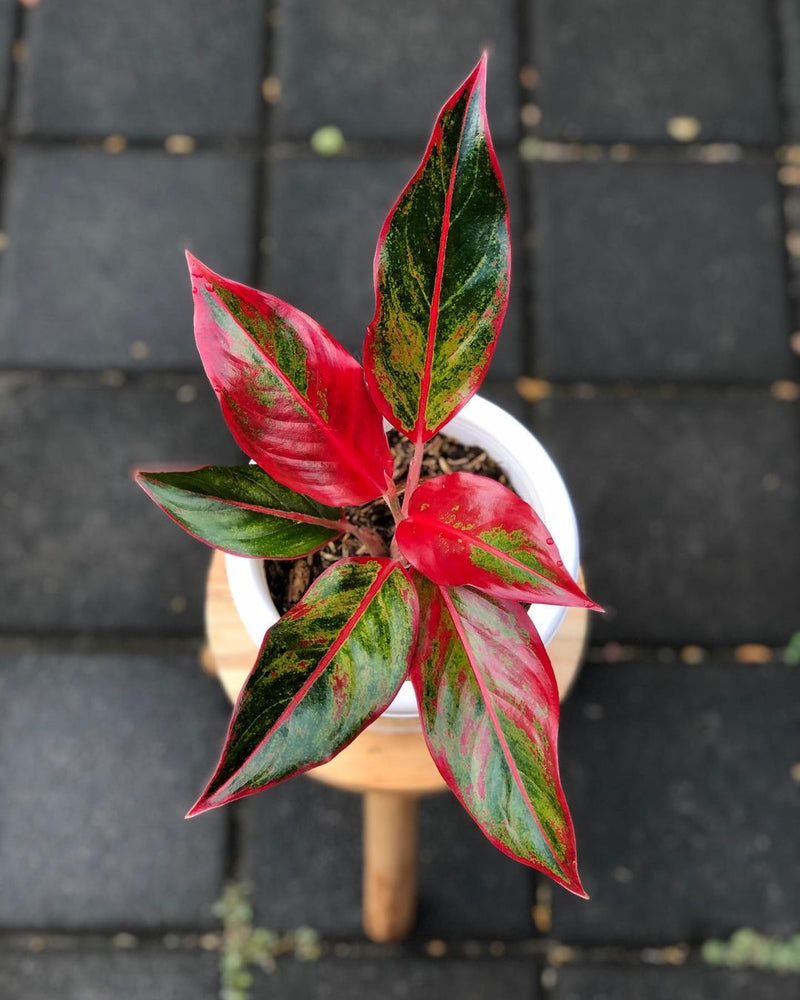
(442, 604)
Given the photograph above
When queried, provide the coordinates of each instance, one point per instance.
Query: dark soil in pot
(289, 579)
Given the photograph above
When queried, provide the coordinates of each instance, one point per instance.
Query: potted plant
(438, 598)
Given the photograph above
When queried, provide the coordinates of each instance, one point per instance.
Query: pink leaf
(293, 398)
(464, 529)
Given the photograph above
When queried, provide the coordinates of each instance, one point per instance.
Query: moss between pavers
(748, 949)
(245, 947)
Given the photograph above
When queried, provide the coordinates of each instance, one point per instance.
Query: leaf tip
(140, 477)
(478, 76)
(211, 798)
(587, 601)
(203, 804)
(572, 881)
(197, 269)
(578, 592)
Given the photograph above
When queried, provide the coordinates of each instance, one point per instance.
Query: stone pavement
(655, 190)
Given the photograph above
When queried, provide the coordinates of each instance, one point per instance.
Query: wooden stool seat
(388, 763)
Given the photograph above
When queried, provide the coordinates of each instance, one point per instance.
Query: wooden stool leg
(391, 822)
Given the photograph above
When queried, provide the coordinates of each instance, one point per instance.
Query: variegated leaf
(293, 398)
(326, 670)
(467, 529)
(242, 510)
(442, 273)
(489, 708)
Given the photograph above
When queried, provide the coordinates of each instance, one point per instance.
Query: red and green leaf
(242, 510)
(293, 398)
(326, 670)
(489, 709)
(464, 529)
(442, 273)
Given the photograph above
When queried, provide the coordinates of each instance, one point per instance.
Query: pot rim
(531, 472)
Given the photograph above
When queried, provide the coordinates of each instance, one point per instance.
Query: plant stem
(371, 540)
(414, 469)
(390, 496)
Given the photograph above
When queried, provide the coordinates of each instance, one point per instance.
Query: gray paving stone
(660, 271)
(145, 70)
(694, 983)
(409, 979)
(8, 9)
(379, 70)
(688, 509)
(791, 207)
(94, 275)
(468, 889)
(324, 218)
(302, 853)
(89, 551)
(87, 975)
(680, 783)
(619, 70)
(102, 753)
(789, 15)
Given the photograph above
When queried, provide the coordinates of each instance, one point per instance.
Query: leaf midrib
(491, 712)
(269, 511)
(327, 430)
(442, 527)
(315, 675)
(433, 322)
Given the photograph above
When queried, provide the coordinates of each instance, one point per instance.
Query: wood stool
(388, 763)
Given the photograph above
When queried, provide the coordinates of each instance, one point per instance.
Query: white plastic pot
(530, 471)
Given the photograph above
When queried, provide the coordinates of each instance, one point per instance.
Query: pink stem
(390, 496)
(414, 469)
(369, 539)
